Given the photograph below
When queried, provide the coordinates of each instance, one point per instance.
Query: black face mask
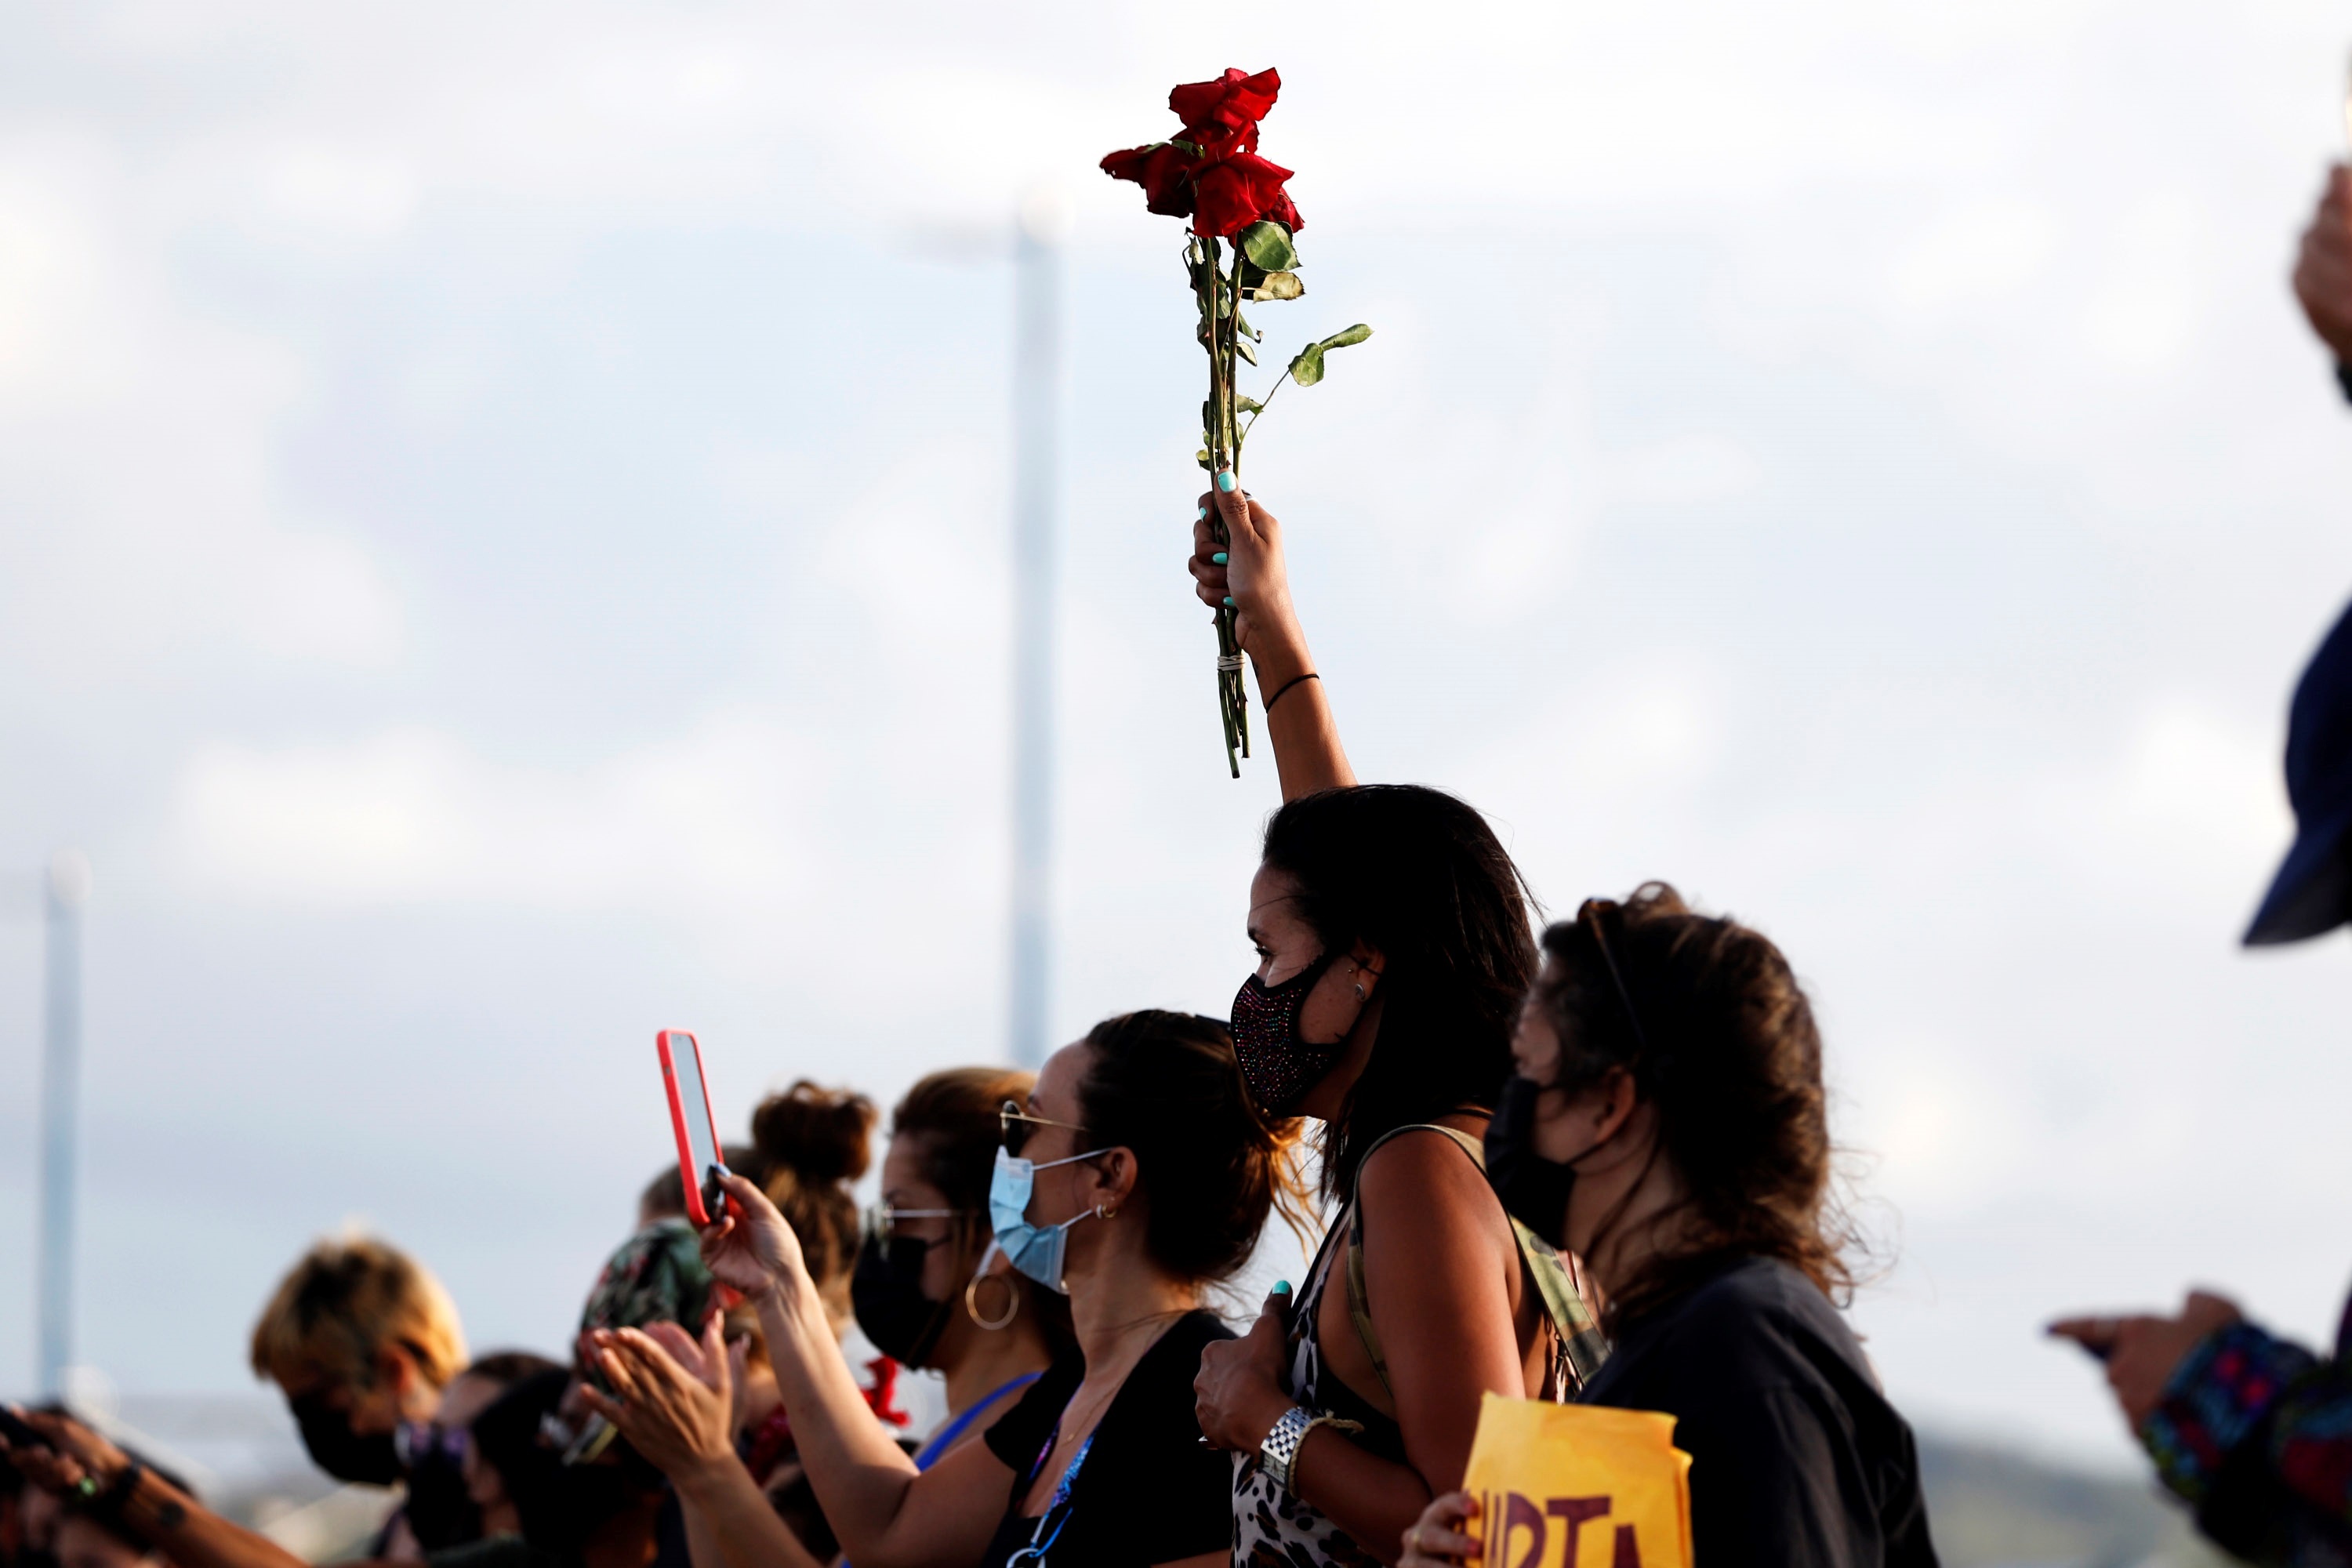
(371, 1460)
(440, 1508)
(1278, 1066)
(1534, 1190)
(887, 1289)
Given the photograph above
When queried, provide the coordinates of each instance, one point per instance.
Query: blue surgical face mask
(1035, 1250)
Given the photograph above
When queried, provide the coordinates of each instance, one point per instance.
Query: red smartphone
(689, 1117)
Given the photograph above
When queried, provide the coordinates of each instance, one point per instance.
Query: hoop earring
(1106, 1211)
(971, 1303)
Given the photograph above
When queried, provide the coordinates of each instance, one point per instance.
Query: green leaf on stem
(1267, 245)
(1247, 405)
(1201, 456)
(1307, 368)
(1248, 331)
(1276, 286)
(1247, 353)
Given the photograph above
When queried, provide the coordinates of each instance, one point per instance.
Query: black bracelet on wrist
(1267, 706)
(109, 1503)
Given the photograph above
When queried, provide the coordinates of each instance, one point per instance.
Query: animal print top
(1274, 1528)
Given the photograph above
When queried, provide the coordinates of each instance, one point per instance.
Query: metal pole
(67, 889)
(1037, 424)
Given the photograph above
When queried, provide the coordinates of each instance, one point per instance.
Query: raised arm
(1249, 568)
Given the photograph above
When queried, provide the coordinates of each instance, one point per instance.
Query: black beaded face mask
(1278, 1066)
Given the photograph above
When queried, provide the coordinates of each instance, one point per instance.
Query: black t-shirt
(1796, 1458)
(1148, 1491)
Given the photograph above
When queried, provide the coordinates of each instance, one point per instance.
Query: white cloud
(722, 815)
(2145, 310)
(1980, 252)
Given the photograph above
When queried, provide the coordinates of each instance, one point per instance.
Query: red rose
(1165, 173)
(1232, 101)
(1234, 192)
(1212, 173)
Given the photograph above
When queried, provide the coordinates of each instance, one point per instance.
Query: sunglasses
(1590, 916)
(1014, 1126)
(882, 1222)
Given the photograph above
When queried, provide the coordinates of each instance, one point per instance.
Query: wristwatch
(1279, 1448)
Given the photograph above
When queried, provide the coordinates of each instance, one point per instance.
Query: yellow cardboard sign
(1578, 1486)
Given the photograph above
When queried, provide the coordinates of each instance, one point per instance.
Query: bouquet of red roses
(1212, 174)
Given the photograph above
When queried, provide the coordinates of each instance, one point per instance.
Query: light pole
(67, 889)
(1036, 484)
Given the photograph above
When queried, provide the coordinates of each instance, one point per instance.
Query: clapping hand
(76, 1459)
(673, 1397)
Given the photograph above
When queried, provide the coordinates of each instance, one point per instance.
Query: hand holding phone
(699, 1165)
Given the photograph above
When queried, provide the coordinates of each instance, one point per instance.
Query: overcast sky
(503, 535)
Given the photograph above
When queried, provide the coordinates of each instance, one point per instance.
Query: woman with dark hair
(1393, 948)
(931, 1287)
(1136, 1175)
(1668, 1126)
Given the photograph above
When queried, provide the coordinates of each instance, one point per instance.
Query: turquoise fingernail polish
(1225, 482)
(1219, 558)
(1201, 513)
(1282, 1286)
(1229, 601)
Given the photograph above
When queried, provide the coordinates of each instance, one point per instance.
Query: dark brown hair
(1167, 1085)
(816, 1143)
(1716, 1033)
(1420, 876)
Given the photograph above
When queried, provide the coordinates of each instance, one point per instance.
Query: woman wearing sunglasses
(1393, 946)
(1668, 1125)
(931, 1287)
(1136, 1175)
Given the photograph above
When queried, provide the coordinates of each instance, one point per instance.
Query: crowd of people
(1589, 1164)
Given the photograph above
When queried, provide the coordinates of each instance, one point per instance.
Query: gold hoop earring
(971, 1303)
(1106, 1211)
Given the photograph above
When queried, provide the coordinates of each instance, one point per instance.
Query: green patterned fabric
(656, 1277)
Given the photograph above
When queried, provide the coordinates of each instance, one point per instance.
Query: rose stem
(1233, 418)
(1220, 420)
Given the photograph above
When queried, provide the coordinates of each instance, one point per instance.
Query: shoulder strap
(1578, 1348)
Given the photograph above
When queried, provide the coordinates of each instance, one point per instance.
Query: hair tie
(1268, 705)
